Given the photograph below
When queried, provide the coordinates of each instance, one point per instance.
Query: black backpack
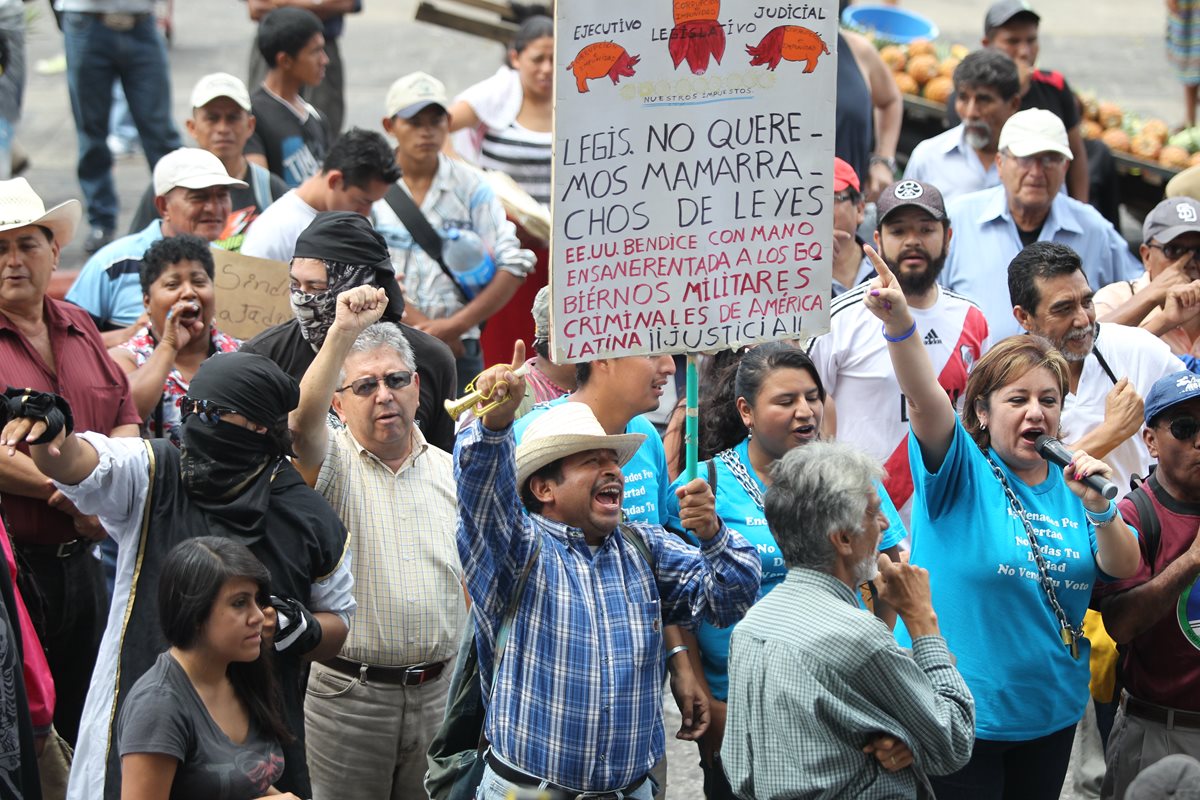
(455, 755)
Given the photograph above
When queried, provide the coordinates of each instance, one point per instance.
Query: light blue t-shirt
(992, 610)
(646, 485)
(742, 514)
(109, 287)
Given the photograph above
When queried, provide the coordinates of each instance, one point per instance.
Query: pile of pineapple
(918, 69)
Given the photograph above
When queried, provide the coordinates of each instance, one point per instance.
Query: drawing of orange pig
(790, 43)
(697, 34)
(600, 59)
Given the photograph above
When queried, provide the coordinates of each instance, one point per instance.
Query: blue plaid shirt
(578, 698)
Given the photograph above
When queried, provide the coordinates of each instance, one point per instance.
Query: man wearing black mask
(230, 478)
(338, 251)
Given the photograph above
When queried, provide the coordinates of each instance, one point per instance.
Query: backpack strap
(1149, 526)
(260, 184)
(422, 232)
(630, 534)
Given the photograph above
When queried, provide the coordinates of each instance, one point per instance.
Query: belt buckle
(414, 676)
(119, 22)
(65, 549)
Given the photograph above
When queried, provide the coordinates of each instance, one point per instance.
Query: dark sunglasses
(365, 387)
(1184, 428)
(206, 411)
(1174, 252)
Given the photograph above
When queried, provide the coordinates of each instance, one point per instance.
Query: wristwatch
(875, 159)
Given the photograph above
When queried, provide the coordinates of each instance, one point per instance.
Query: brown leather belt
(1170, 717)
(393, 676)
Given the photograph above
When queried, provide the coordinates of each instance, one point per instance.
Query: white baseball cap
(1034, 130)
(220, 84)
(414, 92)
(191, 168)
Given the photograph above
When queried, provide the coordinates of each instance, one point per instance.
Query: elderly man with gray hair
(372, 710)
(814, 678)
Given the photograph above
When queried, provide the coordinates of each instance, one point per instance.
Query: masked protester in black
(354, 254)
(230, 478)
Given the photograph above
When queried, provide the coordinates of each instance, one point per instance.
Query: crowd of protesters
(280, 568)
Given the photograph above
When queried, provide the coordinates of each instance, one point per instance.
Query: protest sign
(693, 175)
(252, 293)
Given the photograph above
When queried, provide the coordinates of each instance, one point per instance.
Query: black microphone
(1053, 451)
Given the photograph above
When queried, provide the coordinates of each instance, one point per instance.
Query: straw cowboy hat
(20, 206)
(564, 430)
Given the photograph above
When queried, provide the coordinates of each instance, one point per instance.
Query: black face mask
(220, 461)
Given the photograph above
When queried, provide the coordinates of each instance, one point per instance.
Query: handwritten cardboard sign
(693, 174)
(252, 293)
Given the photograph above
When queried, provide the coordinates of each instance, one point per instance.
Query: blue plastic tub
(888, 22)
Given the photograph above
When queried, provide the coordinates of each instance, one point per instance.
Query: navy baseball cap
(1171, 390)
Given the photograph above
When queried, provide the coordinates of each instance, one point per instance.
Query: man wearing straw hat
(576, 707)
(51, 346)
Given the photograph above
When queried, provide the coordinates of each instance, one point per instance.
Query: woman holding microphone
(1013, 546)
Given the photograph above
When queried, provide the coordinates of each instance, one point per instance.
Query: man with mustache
(1111, 367)
(191, 193)
(912, 235)
(992, 225)
(963, 159)
(575, 699)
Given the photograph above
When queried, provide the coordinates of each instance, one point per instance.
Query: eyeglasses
(1047, 160)
(845, 197)
(1184, 428)
(206, 411)
(1174, 252)
(365, 387)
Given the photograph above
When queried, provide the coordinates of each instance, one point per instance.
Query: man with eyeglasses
(1165, 300)
(1156, 613)
(373, 709)
(338, 251)
(850, 265)
(231, 478)
(991, 226)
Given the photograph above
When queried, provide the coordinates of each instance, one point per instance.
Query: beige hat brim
(62, 220)
(535, 454)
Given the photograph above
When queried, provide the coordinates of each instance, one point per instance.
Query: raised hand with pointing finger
(886, 300)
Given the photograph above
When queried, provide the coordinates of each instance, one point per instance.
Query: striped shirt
(813, 678)
(523, 155)
(407, 576)
(578, 697)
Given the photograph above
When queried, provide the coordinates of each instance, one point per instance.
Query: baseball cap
(844, 175)
(191, 168)
(999, 14)
(910, 193)
(1171, 390)
(220, 84)
(1034, 130)
(412, 93)
(1170, 218)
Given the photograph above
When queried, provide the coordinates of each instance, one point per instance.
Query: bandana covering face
(315, 312)
(355, 254)
(227, 469)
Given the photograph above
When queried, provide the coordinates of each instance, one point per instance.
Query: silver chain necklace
(731, 460)
(1071, 634)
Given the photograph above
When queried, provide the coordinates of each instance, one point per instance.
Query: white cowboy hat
(20, 206)
(565, 430)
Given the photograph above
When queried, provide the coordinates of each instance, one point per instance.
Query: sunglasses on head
(1184, 428)
(206, 411)
(365, 387)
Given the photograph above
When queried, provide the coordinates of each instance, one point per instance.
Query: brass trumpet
(474, 397)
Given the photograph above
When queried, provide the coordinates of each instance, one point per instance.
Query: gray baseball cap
(910, 193)
(1001, 13)
(1171, 218)
(1176, 776)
